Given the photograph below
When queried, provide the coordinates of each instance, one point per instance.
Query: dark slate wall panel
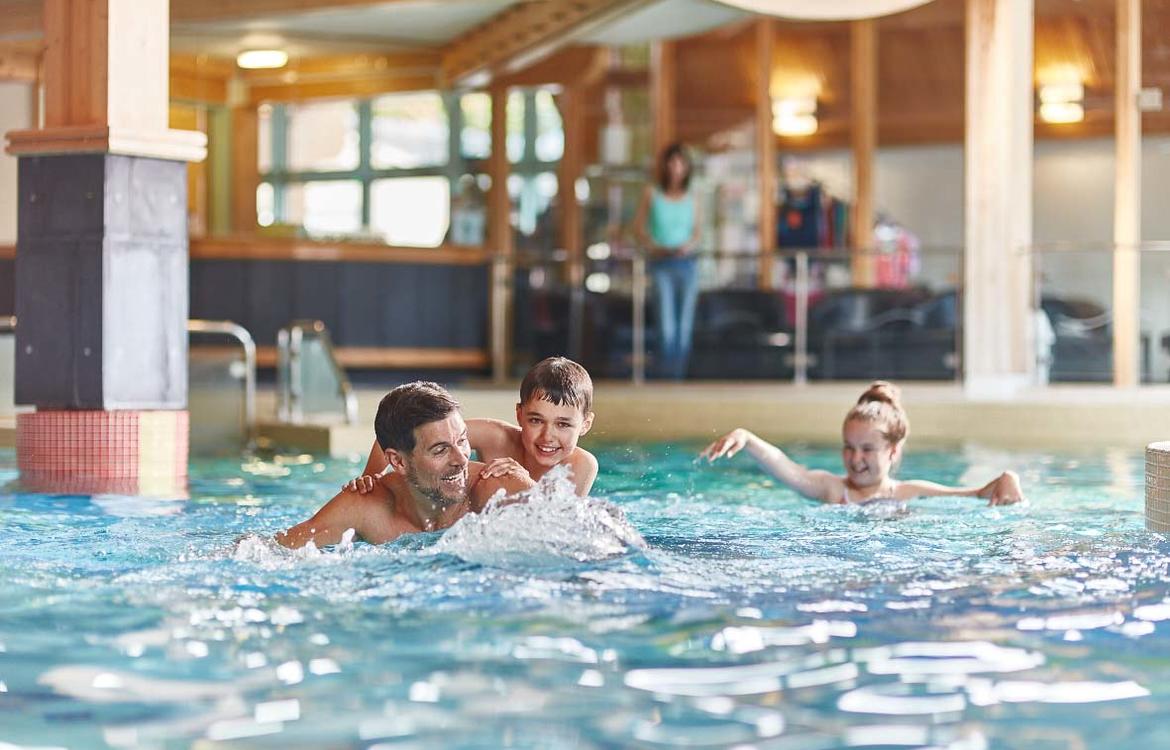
(316, 292)
(219, 290)
(270, 299)
(7, 287)
(363, 304)
(360, 288)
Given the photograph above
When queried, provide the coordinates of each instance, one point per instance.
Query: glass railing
(312, 387)
(1076, 315)
(822, 315)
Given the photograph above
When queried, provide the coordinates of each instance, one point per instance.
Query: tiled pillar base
(92, 452)
(1158, 487)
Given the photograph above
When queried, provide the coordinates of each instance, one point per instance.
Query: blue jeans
(676, 287)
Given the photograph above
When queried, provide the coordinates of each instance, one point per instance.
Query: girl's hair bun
(882, 392)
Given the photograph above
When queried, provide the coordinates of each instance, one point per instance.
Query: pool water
(720, 611)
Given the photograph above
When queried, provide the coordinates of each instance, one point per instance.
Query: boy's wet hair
(881, 405)
(559, 380)
(407, 407)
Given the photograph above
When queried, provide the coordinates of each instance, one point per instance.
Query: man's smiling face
(437, 467)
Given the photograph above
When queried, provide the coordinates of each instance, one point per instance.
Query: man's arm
(344, 511)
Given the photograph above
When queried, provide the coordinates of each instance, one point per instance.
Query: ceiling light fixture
(794, 116)
(825, 10)
(257, 59)
(1061, 102)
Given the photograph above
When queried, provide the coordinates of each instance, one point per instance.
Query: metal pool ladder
(209, 371)
(311, 385)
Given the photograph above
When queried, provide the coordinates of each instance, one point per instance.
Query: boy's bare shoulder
(582, 458)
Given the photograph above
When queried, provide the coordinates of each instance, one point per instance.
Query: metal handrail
(291, 393)
(240, 334)
(8, 324)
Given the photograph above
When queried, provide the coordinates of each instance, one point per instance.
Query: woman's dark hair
(668, 153)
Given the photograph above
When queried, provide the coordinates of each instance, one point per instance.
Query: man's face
(548, 432)
(437, 467)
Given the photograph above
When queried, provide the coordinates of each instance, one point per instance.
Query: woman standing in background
(668, 225)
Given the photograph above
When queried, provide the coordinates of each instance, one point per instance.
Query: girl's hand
(504, 467)
(1006, 490)
(728, 445)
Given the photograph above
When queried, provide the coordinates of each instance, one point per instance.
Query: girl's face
(676, 170)
(867, 455)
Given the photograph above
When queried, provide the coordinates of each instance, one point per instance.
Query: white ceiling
(667, 19)
(406, 24)
(380, 27)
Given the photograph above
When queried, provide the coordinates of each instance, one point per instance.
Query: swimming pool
(748, 617)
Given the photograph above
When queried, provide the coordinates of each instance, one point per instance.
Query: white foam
(549, 521)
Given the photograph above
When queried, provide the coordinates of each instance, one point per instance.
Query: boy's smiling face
(548, 431)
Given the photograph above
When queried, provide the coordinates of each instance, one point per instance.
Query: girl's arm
(1003, 490)
(815, 484)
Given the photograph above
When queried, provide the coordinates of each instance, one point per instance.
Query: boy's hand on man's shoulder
(506, 467)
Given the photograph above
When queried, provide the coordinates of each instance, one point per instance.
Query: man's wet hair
(407, 407)
(558, 380)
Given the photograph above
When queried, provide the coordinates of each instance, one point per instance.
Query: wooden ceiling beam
(328, 67)
(17, 65)
(523, 34)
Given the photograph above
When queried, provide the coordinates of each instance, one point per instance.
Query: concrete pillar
(998, 355)
(101, 263)
(1127, 197)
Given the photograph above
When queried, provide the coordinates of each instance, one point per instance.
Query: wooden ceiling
(921, 68)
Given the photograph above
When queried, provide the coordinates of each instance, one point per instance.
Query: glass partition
(1154, 347)
(1074, 313)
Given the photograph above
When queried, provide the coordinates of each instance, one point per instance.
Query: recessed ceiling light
(254, 59)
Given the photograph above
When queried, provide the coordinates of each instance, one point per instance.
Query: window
(409, 130)
(264, 139)
(322, 137)
(402, 167)
(475, 141)
(550, 131)
(265, 204)
(325, 207)
(411, 210)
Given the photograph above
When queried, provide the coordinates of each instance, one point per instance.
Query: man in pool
(434, 482)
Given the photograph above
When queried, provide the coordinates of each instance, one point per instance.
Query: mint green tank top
(672, 222)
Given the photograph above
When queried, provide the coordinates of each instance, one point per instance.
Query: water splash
(548, 523)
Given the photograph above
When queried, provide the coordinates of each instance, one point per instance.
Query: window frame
(280, 177)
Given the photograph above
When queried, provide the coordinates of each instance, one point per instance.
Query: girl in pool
(874, 433)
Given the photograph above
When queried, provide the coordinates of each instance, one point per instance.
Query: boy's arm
(1003, 490)
(815, 484)
(376, 463)
(584, 466)
(344, 511)
(491, 438)
(486, 486)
